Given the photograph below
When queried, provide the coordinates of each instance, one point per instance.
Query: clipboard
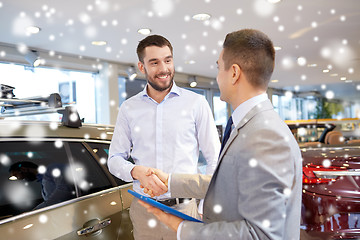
(163, 207)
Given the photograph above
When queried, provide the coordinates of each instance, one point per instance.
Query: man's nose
(162, 66)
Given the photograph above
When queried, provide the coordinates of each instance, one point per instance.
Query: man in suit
(255, 192)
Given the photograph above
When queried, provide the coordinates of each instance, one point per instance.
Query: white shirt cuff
(169, 180)
(178, 232)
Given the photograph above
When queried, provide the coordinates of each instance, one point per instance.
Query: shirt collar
(241, 111)
(175, 90)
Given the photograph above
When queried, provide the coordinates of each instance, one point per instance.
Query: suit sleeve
(189, 185)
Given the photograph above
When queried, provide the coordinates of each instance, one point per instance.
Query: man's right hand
(149, 180)
(164, 177)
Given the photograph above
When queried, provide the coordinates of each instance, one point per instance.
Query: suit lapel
(265, 105)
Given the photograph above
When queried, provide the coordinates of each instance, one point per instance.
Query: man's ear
(141, 67)
(236, 73)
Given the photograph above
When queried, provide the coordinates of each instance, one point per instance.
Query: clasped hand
(154, 181)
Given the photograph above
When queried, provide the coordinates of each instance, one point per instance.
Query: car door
(92, 207)
(101, 150)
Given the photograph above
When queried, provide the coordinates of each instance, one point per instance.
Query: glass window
(102, 150)
(33, 175)
(76, 88)
(133, 87)
(89, 176)
(198, 91)
(220, 110)
(276, 103)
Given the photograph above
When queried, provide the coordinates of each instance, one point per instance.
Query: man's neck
(158, 96)
(244, 96)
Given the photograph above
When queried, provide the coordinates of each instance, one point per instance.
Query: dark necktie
(227, 133)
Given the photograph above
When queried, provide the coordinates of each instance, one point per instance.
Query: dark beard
(158, 88)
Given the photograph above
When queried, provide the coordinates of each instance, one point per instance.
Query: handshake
(154, 181)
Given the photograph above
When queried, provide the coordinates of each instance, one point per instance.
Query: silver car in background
(54, 181)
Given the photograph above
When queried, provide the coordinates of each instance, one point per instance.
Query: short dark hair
(152, 40)
(254, 52)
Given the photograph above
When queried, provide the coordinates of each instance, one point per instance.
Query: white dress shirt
(245, 107)
(164, 135)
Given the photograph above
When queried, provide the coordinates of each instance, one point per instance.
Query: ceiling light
(343, 78)
(33, 30)
(301, 61)
(33, 58)
(274, 81)
(99, 43)
(334, 75)
(201, 17)
(131, 71)
(274, 1)
(192, 81)
(312, 65)
(326, 70)
(190, 62)
(277, 48)
(144, 31)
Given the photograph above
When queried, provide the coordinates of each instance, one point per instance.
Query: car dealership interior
(85, 51)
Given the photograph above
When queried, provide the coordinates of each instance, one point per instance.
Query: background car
(331, 192)
(69, 194)
(331, 182)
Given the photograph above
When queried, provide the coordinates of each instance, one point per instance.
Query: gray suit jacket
(255, 192)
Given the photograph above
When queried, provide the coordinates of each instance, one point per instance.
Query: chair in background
(334, 137)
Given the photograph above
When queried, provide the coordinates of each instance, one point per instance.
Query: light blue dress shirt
(166, 135)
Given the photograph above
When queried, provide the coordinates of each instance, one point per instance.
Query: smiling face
(158, 67)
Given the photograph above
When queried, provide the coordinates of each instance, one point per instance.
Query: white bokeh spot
(56, 172)
(287, 63)
(43, 219)
(266, 223)
(263, 8)
(288, 94)
(58, 144)
(287, 192)
(301, 61)
(103, 135)
(103, 161)
(152, 223)
(302, 131)
(73, 117)
(217, 209)
(137, 129)
(253, 162)
(329, 94)
(163, 7)
(41, 169)
(5, 160)
(326, 163)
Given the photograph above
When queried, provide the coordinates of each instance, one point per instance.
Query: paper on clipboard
(163, 207)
